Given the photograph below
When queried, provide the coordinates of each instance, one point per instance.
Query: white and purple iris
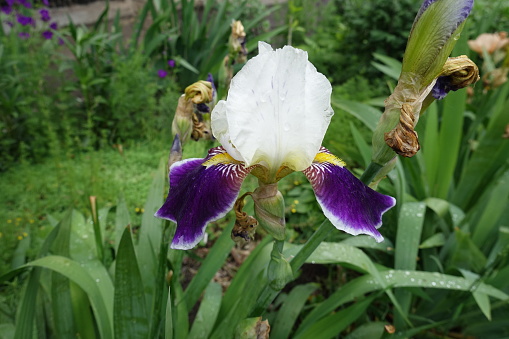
(272, 123)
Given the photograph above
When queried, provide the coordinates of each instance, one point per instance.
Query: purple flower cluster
(162, 73)
(14, 8)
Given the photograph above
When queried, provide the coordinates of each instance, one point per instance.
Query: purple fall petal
(464, 7)
(350, 205)
(201, 194)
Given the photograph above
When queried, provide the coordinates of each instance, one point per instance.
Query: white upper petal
(277, 110)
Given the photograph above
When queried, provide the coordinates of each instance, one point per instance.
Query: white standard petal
(220, 130)
(277, 110)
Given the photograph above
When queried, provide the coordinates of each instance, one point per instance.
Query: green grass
(32, 192)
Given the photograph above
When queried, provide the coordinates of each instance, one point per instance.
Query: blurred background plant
(92, 117)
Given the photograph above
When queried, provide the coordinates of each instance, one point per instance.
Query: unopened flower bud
(434, 33)
(175, 152)
(279, 271)
(200, 92)
(270, 210)
(237, 43)
(183, 119)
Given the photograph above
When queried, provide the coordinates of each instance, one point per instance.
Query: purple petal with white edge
(201, 191)
(350, 205)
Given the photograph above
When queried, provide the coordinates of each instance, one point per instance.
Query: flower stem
(370, 172)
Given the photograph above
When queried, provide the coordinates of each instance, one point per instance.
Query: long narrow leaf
(207, 313)
(129, 307)
(290, 310)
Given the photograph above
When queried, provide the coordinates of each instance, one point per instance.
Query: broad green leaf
(365, 241)
(129, 308)
(147, 249)
(451, 131)
(160, 284)
(365, 113)
(20, 253)
(393, 64)
(362, 145)
(7, 331)
(328, 253)
(482, 299)
(290, 310)
(371, 330)
(332, 325)
(436, 240)
(439, 206)
(61, 302)
(409, 234)
(122, 220)
(501, 244)
(497, 203)
(466, 254)
(85, 324)
(411, 219)
(489, 156)
(431, 146)
(207, 313)
(79, 275)
(180, 315)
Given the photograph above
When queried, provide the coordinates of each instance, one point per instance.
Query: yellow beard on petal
(222, 158)
(330, 158)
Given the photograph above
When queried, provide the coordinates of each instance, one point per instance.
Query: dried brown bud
(461, 72)
(245, 225)
(238, 29)
(403, 139)
(200, 92)
(200, 129)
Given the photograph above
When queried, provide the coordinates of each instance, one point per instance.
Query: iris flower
(272, 124)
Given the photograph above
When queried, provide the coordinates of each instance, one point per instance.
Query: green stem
(310, 246)
(268, 294)
(370, 172)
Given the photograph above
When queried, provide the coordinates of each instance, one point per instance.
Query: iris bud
(269, 207)
(183, 120)
(279, 271)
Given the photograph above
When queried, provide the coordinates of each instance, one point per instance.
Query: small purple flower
(47, 35)
(53, 26)
(162, 73)
(24, 35)
(6, 9)
(171, 63)
(24, 3)
(25, 20)
(9, 23)
(44, 15)
(45, 3)
(60, 41)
